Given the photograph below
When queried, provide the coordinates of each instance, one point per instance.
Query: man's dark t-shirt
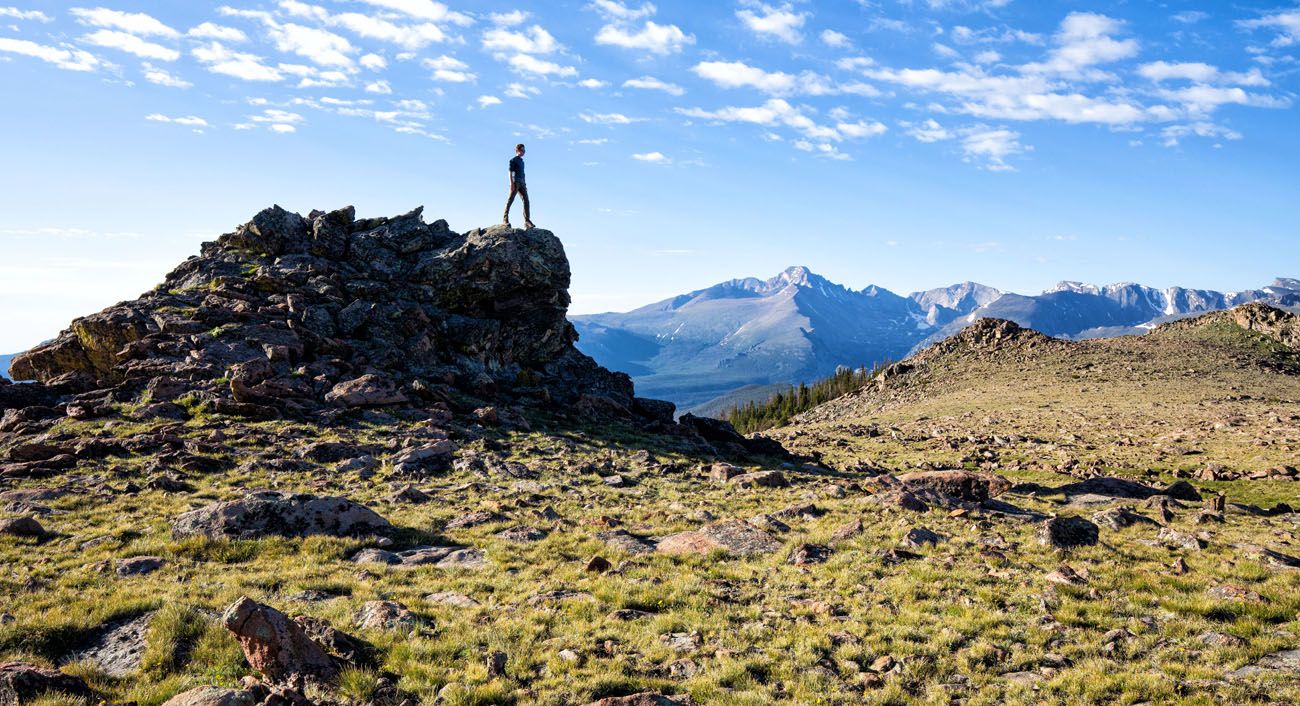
(517, 169)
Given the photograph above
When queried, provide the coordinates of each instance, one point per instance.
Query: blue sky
(671, 145)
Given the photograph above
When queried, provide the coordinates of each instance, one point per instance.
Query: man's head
(519, 149)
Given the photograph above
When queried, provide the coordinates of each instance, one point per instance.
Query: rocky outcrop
(290, 315)
(269, 512)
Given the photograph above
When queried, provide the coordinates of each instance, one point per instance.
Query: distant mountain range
(744, 338)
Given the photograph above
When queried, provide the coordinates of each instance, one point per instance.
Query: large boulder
(269, 512)
(965, 485)
(276, 646)
(1067, 533)
(729, 536)
(22, 683)
(212, 696)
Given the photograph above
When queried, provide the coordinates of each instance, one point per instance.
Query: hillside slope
(1220, 392)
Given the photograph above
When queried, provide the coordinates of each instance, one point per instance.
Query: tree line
(783, 406)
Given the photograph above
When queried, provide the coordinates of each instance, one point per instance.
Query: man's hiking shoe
(528, 225)
(506, 224)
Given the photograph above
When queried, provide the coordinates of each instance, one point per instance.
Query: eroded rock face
(274, 645)
(290, 314)
(268, 512)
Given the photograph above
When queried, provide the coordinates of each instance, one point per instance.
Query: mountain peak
(798, 275)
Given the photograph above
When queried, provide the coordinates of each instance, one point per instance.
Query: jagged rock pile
(292, 315)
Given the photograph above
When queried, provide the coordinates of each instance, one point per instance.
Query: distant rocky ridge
(744, 338)
(309, 316)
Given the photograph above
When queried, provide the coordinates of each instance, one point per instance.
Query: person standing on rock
(518, 186)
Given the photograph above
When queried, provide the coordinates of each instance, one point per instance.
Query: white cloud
(608, 119)
(774, 22)
(534, 40)
(153, 74)
(650, 83)
(861, 129)
(592, 83)
(411, 37)
(821, 149)
(521, 90)
(130, 44)
(1287, 24)
(133, 22)
(248, 67)
(652, 157)
(988, 57)
(1084, 41)
(992, 147)
(614, 10)
(485, 101)
(652, 37)
(188, 120)
(208, 30)
(1202, 99)
(593, 141)
(774, 112)
(423, 10)
(65, 58)
(17, 14)
(379, 88)
(278, 121)
(835, 40)
(737, 74)
(1173, 134)
(508, 19)
(449, 69)
(374, 62)
(1190, 17)
(319, 46)
(1200, 73)
(929, 131)
(528, 64)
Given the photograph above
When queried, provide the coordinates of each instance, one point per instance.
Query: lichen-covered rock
(729, 536)
(268, 512)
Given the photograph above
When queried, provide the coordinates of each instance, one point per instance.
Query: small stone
(496, 664)
(139, 565)
(598, 565)
(1171, 536)
(806, 554)
(918, 537)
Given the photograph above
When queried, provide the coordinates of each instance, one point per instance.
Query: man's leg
(523, 194)
(510, 202)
